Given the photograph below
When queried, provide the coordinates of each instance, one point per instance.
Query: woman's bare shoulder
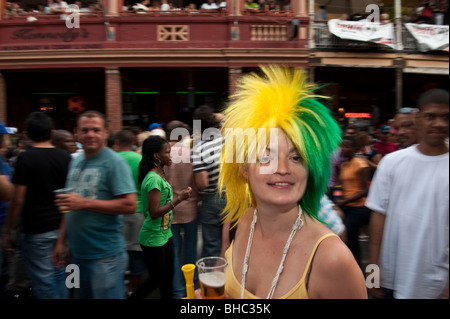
(335, 272)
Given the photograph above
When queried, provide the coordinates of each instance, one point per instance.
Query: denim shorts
(102, 278)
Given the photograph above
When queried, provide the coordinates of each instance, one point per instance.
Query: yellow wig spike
(280, 98)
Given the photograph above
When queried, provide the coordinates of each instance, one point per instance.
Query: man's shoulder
(63, 153)
(105, 158)
(108, 153)
(406, 152)
(38, 152)
(113, 159)
(397, 157)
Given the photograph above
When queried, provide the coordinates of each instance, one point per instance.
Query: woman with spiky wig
(275, 168)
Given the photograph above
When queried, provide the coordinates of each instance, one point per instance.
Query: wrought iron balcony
(324, 40)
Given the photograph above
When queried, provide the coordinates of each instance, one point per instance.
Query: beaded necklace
(298, 224)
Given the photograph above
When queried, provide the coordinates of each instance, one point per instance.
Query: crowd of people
(92, 6)
(169, 5)
(428, 12)
(137, 200)
(52, 7)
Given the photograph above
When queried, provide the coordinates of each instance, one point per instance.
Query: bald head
(64, 139)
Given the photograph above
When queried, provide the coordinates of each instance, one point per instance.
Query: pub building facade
(140, 67)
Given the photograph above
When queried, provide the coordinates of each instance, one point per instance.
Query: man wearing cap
(383, 146)
(404, 123)
(156, 129)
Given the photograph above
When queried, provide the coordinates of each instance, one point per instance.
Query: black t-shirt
(42, 170)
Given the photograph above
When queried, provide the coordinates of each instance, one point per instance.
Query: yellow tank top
(233, 286)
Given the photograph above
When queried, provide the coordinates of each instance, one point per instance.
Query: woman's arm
(154, 209)
(6, 188)
(154, 198)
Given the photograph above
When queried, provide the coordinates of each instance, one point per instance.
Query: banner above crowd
(429, 37)
(381, 33)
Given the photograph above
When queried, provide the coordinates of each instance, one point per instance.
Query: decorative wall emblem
(173, 33)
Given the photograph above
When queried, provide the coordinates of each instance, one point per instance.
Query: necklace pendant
(298, 224)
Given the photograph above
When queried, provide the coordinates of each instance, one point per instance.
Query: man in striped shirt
(207, 150)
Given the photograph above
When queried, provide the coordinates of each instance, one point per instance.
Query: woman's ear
(244, 172)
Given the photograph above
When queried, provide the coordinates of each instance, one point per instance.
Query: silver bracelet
(171, 203)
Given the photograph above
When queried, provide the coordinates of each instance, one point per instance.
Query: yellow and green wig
(281, 98)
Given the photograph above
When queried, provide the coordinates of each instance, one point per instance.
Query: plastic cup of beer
(63, 209)
(211, 274)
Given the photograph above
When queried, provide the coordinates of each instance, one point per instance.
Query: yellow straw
(188, 272)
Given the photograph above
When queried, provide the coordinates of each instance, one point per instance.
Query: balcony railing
(325, 40)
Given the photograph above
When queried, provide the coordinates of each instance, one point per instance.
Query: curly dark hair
(151, 146)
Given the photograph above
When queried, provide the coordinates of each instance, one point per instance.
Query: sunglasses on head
(407, 110)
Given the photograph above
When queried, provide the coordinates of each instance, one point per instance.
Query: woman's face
(348, 149)
(286, 183)
(164, 155)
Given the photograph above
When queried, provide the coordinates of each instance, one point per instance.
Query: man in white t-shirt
(409, 199)
(209, 5)
(165, 5)
(59, 6)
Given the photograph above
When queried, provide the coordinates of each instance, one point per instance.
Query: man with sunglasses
(404, 124)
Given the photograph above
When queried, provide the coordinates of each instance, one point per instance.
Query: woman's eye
(297, 159)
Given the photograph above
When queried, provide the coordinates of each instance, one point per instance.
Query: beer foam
(213, 279)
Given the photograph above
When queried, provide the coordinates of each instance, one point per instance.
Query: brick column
(236, 6)
(230, 7)
(2, 8)
(3, 111)
(234, 74)
(113, 91)
(299, 8)
(112, 7)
